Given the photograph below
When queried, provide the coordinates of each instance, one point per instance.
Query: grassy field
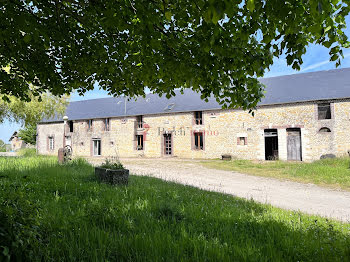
(50, 212)
(333, 173)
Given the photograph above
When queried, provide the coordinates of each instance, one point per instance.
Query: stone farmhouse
(303, 117)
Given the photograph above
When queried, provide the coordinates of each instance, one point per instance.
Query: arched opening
(324, 130)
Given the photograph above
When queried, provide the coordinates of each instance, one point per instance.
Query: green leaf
(168, 15)
(215, 18)
(27, 38)
(327, 29)
(251, 5)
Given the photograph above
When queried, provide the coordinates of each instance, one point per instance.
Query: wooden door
(167, 145)
(294, 145)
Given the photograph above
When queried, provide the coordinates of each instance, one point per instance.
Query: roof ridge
(306, 73)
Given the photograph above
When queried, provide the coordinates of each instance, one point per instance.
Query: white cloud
(319, 64)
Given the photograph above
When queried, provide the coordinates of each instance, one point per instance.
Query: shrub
(27, 152)
(114, 165)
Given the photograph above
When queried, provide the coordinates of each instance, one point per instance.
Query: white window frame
(96, 147)
(51, 143)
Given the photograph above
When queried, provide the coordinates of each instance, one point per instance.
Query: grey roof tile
(321, 85)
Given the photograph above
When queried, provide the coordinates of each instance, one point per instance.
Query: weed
(114, 165)
(27, 152)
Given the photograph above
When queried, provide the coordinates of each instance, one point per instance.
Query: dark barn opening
(271, 144)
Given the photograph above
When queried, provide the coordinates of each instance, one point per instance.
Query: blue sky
(315, 59)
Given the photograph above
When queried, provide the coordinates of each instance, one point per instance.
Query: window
(96, 147)
(89, 122)
(107, 124)
(139, 139)
(198, 141)
(324, 111)
(324, 130)
(198, 117)
(51, 143)
(139, 122)
(71, 129)
(241, 141)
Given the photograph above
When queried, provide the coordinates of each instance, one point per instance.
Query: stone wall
(223, 130)
(44, 131)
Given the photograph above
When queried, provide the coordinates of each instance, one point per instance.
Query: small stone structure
(226, 157)
(64, 154)
(119, 177)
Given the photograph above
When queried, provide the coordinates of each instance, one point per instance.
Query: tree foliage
(33, 111)
(28, 134)
(2, 146)
(217, 47)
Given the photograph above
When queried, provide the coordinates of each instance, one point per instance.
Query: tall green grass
(326, 172)
(27, 152)
(51, 212)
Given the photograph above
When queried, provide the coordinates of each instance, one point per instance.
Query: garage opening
(271, 144)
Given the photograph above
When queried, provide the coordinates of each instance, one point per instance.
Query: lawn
(52, 212)
(333, 173)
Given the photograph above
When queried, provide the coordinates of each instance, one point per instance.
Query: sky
(315, 59)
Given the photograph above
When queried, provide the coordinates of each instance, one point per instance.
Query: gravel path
(306, 198)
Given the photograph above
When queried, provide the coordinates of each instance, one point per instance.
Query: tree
(32, 112)
(28, 134)
(217, 47)
(2, 146)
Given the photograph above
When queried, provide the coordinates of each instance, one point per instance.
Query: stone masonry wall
(223, 130)
(44, 131)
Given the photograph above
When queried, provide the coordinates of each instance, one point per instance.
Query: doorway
(168, 149)
(271, 144)
(68, 141)
(294, 144)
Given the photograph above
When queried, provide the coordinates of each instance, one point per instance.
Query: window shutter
(238, 141)
(203, 134)
(192, 140)
(101, 146)
(162, 144)
(245, 141)
(135, 140)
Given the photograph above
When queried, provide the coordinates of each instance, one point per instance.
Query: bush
(114, 165)
(27, 152)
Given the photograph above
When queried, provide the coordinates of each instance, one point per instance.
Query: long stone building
(302, 117)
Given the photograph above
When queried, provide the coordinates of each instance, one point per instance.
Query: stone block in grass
(113, 177)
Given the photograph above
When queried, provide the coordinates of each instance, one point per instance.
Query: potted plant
(112, 173)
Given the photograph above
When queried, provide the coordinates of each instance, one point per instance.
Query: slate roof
(302, 87)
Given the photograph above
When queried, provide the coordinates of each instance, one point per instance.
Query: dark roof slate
(321, 85)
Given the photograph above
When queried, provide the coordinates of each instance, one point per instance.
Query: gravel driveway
(306, 198)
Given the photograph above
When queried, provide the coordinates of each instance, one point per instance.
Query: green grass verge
(27, 152)
(333, 173)
(51, 212)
